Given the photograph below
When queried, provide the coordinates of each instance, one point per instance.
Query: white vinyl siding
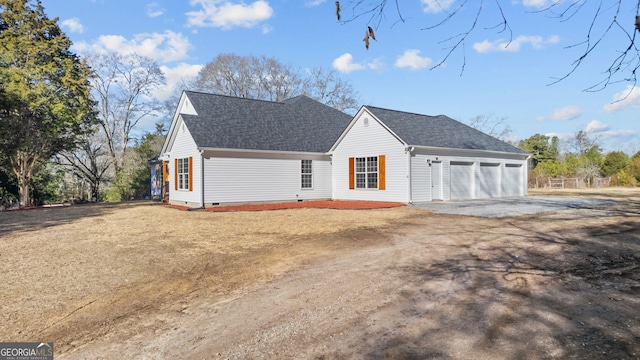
(461, 180)
(421, 178)
(246, 179)
(372, 140)
(183, 148)
(469, 175)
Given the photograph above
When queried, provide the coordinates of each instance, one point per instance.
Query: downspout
(201, 182)
(408, 151)
(202, 177)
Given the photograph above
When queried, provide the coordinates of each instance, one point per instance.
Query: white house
(222, 150)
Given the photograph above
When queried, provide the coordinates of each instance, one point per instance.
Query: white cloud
(618, 135)
(628, 98)
(344, 64)
(436, 6)
(73, 25)
(226, 15)
(596, 126)
(311, 3)
(500, 45)
(538, 3)
(566, 113)
(604, 132)
(163, 47)
(411, 59)
(175, 75)
(154, 10)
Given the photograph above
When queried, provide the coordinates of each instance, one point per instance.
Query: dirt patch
(141, 281)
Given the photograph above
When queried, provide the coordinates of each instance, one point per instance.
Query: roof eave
(427, 148)
(252, 151)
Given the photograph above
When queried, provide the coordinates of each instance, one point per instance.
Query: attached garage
(488, 180)
(512, 180)
(461, 180)
(428, 158)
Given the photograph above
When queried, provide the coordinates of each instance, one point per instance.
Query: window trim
(184, 174)
(308, 175)
(367, 173)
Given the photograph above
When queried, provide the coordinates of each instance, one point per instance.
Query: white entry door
(436, 180)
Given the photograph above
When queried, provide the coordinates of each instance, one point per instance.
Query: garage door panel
(512, 180)
(461, 180)
(489, 180)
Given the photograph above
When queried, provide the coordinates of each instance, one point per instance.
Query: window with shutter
(367, 172)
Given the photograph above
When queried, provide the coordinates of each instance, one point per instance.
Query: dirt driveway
(138, 281)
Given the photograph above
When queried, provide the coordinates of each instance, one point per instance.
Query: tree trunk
(23, 165)
(95, 191)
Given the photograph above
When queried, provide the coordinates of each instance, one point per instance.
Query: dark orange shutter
(190, 173)
(352, 182)
(165, 172)
(175, 175)
(381, 169)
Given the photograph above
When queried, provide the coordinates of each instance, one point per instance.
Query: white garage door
(461, 180)
(489, 180)
(512, 180)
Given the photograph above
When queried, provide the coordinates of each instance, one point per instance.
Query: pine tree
(44, 91)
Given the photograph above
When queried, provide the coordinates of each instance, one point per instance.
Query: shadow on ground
(571, 291)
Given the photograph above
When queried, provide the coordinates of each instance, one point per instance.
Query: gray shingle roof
(297, 124)
(439, 131)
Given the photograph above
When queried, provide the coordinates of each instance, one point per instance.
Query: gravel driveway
(502, 207)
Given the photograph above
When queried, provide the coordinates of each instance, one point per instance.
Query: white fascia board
(173, 128)
(269, 152)
(346, 130)
(469, 151)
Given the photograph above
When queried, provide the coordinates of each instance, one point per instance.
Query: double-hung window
(182, 174)
(306, 180)
(367, 172)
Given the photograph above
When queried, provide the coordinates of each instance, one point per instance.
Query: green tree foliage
(539, 147)
(134, 181)
(634, 167)
(571, 164)
(614, 162)
(551, 168)
(44, 102)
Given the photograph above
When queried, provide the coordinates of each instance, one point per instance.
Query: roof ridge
(409, 112)
(233, 97)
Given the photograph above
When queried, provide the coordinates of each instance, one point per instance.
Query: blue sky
(396, 72)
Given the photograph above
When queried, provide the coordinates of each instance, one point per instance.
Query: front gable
(184, 107)
(364, 119)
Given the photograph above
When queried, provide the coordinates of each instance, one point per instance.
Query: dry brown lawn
(138, 280)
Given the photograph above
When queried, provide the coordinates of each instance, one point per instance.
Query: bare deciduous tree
(605, 19)
(267, 78)
(491, 125)
(91, 162)
(328, 88)
(122, 87)
(581, 143)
